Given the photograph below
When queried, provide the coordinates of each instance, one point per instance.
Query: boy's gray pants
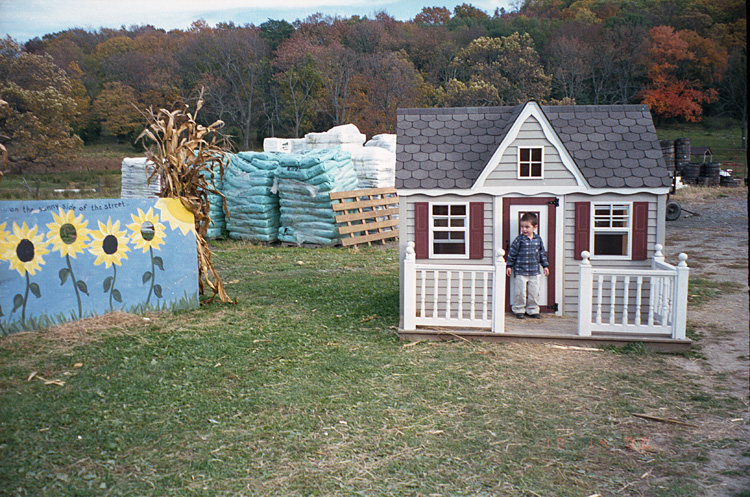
(525, 294)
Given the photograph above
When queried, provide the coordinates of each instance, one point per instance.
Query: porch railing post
(680, 298)
(498, 294)
(658, 256)
(585, 295)
(410, 288)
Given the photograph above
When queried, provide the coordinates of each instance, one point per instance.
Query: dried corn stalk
(184, 154)
(3, 150)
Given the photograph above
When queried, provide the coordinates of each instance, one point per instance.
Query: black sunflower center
(110, 244)
(25, 251)
(68, 233)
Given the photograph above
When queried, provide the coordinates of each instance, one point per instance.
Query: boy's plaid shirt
(526, 254)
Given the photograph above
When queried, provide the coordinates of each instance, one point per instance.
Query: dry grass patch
(64, 337)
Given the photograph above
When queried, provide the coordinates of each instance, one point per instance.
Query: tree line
(683, 58)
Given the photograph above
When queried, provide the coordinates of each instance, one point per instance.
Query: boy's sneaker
(535, 316)
(520, 315)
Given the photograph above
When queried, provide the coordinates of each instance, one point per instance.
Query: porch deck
(553, 329)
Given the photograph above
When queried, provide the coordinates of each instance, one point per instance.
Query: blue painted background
(46, 278)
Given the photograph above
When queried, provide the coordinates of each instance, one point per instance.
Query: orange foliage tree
(681, 65)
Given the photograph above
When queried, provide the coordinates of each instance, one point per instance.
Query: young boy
(525, 255)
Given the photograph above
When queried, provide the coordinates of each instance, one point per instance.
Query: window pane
(524, 154)
(536, 154)
(601, 211)
(457, 235)
(524, 170)
(439, 210)
(457, 223)
(458, 210)
(441, 235)
(610, 244)
(601, 223)
(449, 248)
(440, 222)
(536, 169)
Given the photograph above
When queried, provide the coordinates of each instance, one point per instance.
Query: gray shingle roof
(614, 146)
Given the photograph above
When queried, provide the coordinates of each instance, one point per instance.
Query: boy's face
(527, 229)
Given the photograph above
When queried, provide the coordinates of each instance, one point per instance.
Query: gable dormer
(530, 155)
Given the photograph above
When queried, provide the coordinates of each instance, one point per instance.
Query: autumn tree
(36, 126)
(569, 62)
(116, 107)
(509, 64)
(387, 81)
(680, 66)
(299, 83)
(434, 16)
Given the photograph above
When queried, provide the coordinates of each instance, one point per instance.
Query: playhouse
(596, 179)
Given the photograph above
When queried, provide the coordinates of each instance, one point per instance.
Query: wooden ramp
(366, 216)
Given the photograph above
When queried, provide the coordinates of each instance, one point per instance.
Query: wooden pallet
(366, 216)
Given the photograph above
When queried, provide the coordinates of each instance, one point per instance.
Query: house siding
(531, 135)
(571, 266)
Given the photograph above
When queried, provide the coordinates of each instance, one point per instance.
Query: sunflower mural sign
(67, 260)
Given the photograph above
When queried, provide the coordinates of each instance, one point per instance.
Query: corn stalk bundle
(3, 150)
(185, 156)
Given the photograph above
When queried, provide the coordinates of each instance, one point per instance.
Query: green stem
(153, 276)
(112, 289)
(75, 286)
(25, 299)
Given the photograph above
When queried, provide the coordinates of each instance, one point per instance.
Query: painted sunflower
(24, 249)
(68, 233)
(146, 230)
(109, 244)
(173, 212)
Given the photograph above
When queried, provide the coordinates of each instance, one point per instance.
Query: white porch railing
(459, 296)
(634, 301)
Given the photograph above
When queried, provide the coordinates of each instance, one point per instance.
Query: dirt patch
(713, 231)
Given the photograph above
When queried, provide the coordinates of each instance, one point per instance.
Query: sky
(23, 20)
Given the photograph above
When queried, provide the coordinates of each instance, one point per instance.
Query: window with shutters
(530, 161)
(611, 230)
(449, 230)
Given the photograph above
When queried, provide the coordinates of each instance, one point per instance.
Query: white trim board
(533, 191)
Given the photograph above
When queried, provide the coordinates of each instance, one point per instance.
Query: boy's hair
(530, 217)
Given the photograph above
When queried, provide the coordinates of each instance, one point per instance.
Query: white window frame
(465, 229)
(518, 163)
(616, 230)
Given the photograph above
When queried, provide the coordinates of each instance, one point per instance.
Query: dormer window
(530, 161)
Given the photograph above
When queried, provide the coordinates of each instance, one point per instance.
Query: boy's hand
(546, 271)
(508, 271)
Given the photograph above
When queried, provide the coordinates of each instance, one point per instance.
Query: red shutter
(476, 230)
(422, 230)
(582, 228)
(640, 231)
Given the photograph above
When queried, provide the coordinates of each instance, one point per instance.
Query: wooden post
(498, 293)
(585, 282)
(410, 288)
(681, 298)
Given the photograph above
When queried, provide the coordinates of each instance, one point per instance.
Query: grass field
(302, 388)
